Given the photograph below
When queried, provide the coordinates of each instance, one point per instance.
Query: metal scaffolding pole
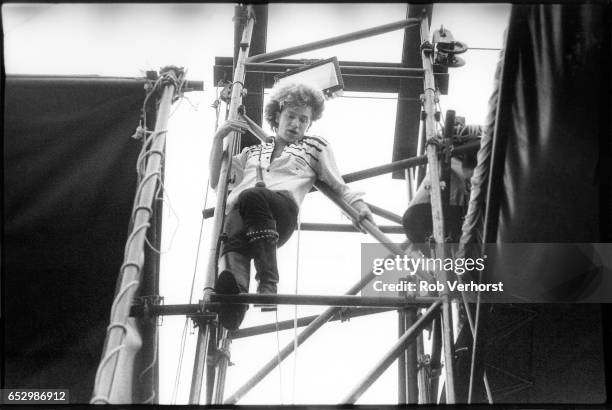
(224, 351)
(422, 376)
(350, 70)
(320, 227)
(384, 213)
(401, 360)
(332, 41)
(303, 336)
(404, 163)
(344, 315)
(197, 377)
(436, 202)
(412, 364)
(349, 300)
(105, 385)
(395, 351)
(434, 362)
(236, 101)
(325, 300)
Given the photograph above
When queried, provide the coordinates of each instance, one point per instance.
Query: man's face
(293, 122)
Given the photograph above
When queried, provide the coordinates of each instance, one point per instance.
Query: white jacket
(295, 170)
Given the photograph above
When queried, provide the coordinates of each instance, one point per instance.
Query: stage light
(325, 75)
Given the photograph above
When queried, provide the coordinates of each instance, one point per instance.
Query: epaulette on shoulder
(318, 139)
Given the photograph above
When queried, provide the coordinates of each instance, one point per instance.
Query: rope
(139, 191)
(166, 200)
(102, 364)
(150, 367)
(118, 298)
(133, 234)
(181, 95)
(145, 152)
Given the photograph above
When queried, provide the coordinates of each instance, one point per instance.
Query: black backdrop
(69, 184)
(550, 182)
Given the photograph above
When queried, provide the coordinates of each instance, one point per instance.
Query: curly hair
(292, 94)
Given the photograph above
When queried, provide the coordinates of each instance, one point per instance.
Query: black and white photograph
(307, 204)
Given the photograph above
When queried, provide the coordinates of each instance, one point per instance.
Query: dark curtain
(549, 183)
(69, 184)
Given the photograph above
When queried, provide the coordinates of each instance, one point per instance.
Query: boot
(234, 273)
(262, 242)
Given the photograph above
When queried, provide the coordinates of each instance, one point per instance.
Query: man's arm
(216, 151)
(328, 172)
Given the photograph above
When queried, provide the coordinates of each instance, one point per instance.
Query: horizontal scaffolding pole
(344, 315)
(405, 163)
(386, 80)
(347, 70)
(301, 338)
(346, 228)
(80, 80)
(332, 41)
(388, 168)
(397, 349)
(325, 300)
(306, 300)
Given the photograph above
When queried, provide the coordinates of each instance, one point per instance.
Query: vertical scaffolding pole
(436, 202)
(197, 376)
(401, 359)
(106, 389)
(422, 376)
(434, 363)
(229, 147)
(219, 387)
(411, 360)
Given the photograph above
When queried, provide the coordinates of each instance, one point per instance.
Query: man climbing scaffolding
(270, 182)
(417, 219)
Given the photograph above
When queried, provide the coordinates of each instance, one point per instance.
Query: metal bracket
(202, 319)
(345, 314)
(427, 47)
(432, 370)
(146, 302)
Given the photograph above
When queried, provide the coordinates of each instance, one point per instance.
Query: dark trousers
(419, 227)
(255, 208)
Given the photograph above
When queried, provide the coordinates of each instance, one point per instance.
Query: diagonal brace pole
(396, 350)
(301, 338)
(332, 41)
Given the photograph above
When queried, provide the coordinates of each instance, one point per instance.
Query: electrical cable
(295, 307)
(186, 323)
(165, 198)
